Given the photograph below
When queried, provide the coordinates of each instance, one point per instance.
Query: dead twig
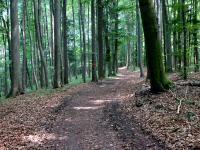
(179, 106)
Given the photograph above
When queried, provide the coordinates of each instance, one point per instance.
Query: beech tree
(16, 86)
(100, 38)
(93, 28)
(57, 46)
(158, 78)
(65, 47)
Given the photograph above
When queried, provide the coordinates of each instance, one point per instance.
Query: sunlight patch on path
(87, 108)
(39, 138)
(99, 102)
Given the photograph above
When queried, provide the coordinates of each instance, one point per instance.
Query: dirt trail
(89, 119)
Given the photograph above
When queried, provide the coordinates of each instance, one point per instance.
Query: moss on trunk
(158, 78)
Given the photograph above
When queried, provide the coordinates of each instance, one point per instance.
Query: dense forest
(112, 48)
(50, 43)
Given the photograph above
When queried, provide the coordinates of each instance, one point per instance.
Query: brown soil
(84, 117)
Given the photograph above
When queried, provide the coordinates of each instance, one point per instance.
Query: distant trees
(62, 41)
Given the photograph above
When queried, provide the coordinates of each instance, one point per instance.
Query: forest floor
(104, 116)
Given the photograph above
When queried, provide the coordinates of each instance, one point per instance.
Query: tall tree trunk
(82, 15)
(88, 40)
(44, 70)
(100, 39)
(167, 37)
(139, 39)
(115, 56)
(159, 81)
(93, 28)
(65, 48)
(5, 66)
(74, 39)
(24, 71)
(195, 36)
(128, 62)
(107, 45)
(57, 45)
(15, 55)
(184, 40)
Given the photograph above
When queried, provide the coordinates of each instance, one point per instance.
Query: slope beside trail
(84, 117)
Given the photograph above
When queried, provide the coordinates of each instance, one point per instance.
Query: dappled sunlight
(117, 78)
(99, 102)
(39, 138)
(87, 108)
(68, 119)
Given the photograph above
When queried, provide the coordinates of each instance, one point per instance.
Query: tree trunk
(139, 39)
(195, 36)
(15, 55)
(39, 42)
(115, 56)
(93, 28)
(184, 40)
(100, 39)
(57, 44)
(159, 81)
(167, 37)
(74, 39)
(24, 71)
(65, 48)
(82, 15)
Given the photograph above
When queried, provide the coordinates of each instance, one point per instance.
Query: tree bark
(100, 39)
(39, 42)
(15, 55)
(159, 81)
(93, 28)
(139, 39)
(57, 45)
(24, 67)
(167, 37)
(65, 48)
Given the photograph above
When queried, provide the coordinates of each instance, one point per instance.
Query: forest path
(90, 120)
(84, 118)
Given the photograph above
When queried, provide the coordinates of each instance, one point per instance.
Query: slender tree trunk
(5, 66)
(100, 39)
(82, 15)
(57, 45)
(115, 56)
(24, 67)
(195, 36)
(93, 28)
(184, 41)
(44, 70)
(128, 62)
(167, 37)
(139, 40)
(107, 45)
(65, 48)
(74, 39)
(88, 40)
